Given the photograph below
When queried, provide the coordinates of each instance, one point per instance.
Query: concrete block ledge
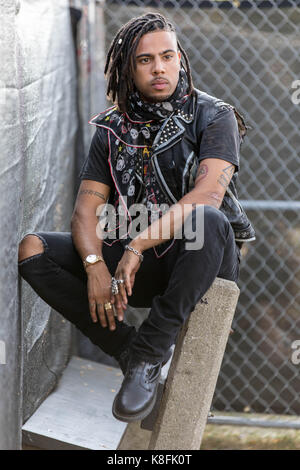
(194, 370)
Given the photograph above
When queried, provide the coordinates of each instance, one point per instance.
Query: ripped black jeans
(171, 285)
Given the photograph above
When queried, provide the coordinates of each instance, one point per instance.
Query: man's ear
(179, 55)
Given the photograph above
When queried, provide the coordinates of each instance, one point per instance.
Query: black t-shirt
(96, 166)
(220, 139)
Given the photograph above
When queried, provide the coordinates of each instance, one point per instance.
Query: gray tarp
(10, 210)
(38, 131)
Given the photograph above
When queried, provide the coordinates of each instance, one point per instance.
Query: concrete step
(77, 414)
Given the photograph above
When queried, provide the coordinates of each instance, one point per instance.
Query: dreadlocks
(121, 56)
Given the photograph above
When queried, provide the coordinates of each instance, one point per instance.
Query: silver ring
(114, 286)
(114, 290)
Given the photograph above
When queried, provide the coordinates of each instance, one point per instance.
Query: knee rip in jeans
(31, 245)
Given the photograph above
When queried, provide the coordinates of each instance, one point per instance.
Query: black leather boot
(123, 359)
(137, 394)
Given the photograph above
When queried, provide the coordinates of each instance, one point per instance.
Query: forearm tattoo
(202, 172)
(95, 193)
(226, 175)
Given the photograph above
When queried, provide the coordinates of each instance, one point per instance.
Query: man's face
(157, 66)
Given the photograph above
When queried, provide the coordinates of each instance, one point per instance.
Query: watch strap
(87, 263)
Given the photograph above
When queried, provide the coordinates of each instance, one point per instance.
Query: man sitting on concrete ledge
(161, 175)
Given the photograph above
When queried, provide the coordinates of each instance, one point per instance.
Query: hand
(126, 270)
(99, 293)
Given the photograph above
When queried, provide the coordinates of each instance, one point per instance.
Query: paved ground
(222, 437)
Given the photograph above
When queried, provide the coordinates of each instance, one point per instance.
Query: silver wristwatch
(92, 259)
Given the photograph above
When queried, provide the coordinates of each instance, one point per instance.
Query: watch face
(91, 258)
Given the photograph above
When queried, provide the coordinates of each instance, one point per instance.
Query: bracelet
(129, 248)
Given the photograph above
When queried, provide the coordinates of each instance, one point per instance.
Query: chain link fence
(247, 53)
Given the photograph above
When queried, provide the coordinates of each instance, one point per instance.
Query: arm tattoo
(95, 193)
(202, 172)
(226, 175)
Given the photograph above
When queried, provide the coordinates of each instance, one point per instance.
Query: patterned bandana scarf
(139, 129)
(132, 160)
(141, 110)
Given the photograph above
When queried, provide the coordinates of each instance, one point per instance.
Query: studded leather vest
(174, 158)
